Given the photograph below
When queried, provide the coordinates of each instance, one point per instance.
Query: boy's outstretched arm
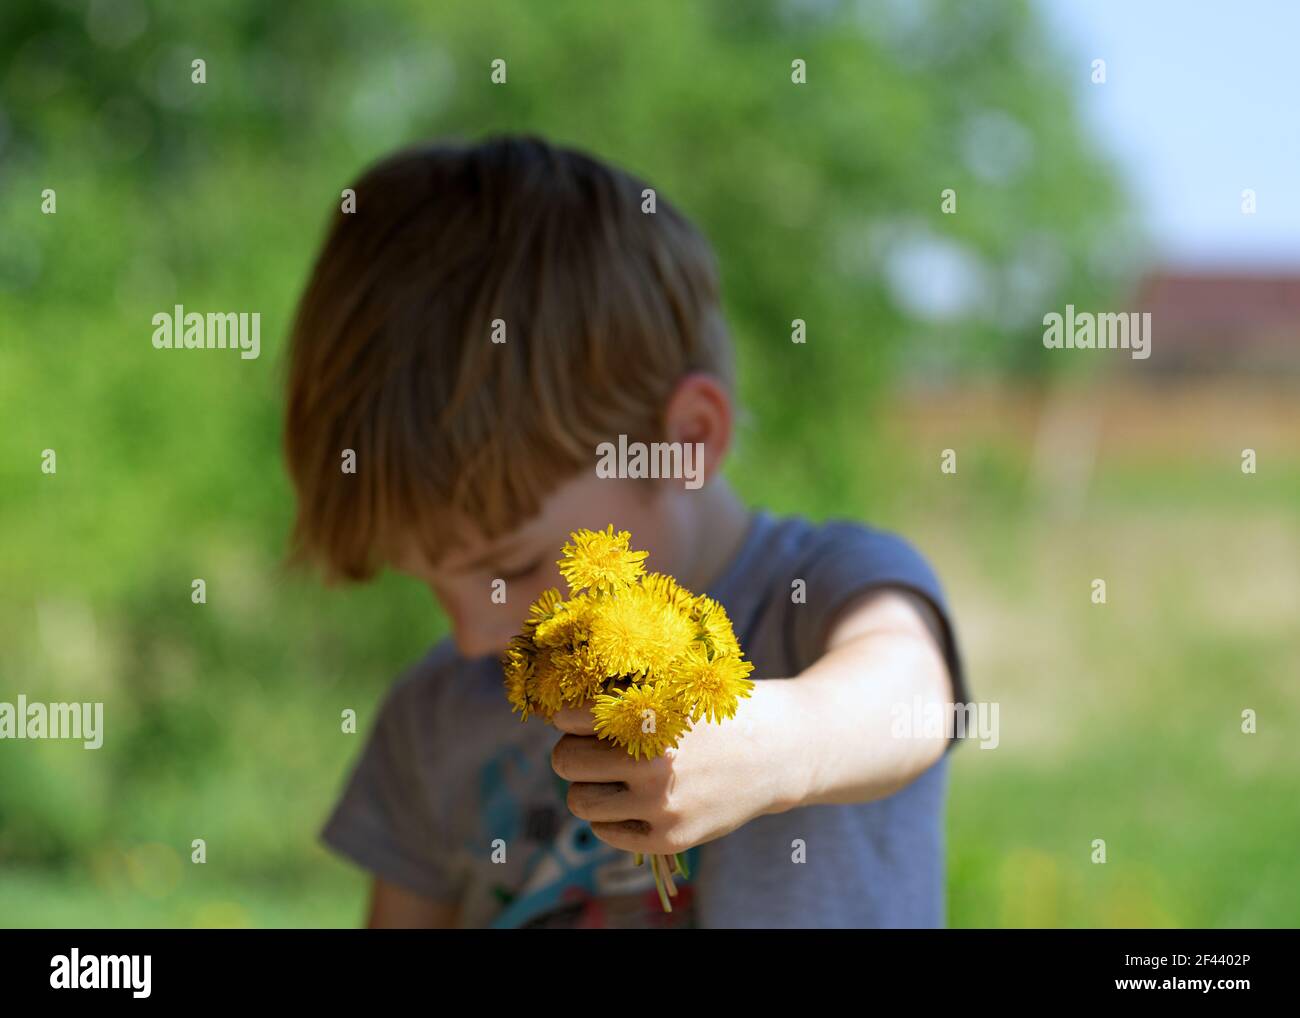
(823, 737)
(882, 653)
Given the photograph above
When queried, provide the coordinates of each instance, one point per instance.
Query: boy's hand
(824, 737)
(719, 777)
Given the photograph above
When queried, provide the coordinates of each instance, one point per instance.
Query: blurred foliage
(822, 201)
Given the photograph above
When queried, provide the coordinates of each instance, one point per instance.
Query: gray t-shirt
(454, 798)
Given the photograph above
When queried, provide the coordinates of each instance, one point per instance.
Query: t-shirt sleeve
(848, 559)
(385, 821)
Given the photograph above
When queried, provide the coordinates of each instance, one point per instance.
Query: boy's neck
(719, 522)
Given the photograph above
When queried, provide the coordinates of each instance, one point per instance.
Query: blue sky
(1201, 101)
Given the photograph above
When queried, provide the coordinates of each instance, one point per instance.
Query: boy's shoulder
(794, 539)
(794, 575)
(414, 683)
(834, 553)
(426, 692)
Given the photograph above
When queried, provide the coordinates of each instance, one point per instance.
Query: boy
(488, 318)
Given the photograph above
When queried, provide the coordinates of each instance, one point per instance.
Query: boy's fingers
(575, 720)
(606, 801)
(575, 758)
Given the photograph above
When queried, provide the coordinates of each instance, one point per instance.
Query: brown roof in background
(1223, 319)
(1184, 299)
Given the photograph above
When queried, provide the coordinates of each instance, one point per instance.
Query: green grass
(129, 899)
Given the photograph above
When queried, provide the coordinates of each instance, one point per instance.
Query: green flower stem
(666, 870)
(659, 885)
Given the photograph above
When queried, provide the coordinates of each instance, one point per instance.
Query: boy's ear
(700, 411)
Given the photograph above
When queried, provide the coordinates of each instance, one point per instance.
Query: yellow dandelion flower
(636, 632)
(668, 590)
(714, 627)
(651, 656)
(545, 684)
(711, 687)
(568, 625)
(646, 719)
(601, 560)
(542, 610)
(581, 678)
(517, 664)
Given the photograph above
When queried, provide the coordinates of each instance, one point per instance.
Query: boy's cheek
(487, 627)
(479, 637)
(484, 617)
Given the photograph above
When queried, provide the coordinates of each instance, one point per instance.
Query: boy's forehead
(464, 544)
(471, 546)
(564, 508)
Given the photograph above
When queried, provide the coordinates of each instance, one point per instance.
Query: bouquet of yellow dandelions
(653, 657)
